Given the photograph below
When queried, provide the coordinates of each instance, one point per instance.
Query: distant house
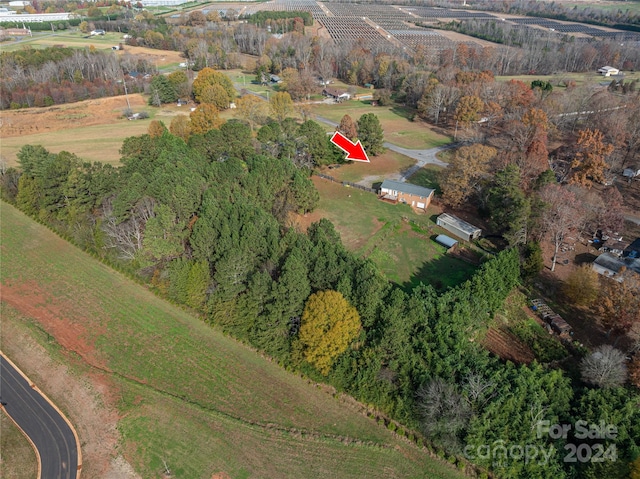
(336, 94)
(415, 196)
(608, 71)
(631, 172)
(97, 32)
(608, 264)
(446, 241)
(275, 79)
(458, 227)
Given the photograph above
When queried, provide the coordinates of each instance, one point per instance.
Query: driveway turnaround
(45, 426)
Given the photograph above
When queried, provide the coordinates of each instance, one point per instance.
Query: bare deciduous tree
(605, 367)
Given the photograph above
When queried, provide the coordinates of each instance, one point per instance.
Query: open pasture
(187, 397)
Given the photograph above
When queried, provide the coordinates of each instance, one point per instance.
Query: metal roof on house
(613, 263)
(458, 223)
(445, 240)
(407, 188)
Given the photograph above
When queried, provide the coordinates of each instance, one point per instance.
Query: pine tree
(370, 134)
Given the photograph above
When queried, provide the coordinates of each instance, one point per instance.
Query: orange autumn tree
(589, 162)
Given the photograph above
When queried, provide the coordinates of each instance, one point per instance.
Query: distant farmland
(186, 397)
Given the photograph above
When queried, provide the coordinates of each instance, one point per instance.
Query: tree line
(55, 75)
(208, 222)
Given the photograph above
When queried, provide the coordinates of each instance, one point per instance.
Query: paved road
(423, 157)
(52, 436)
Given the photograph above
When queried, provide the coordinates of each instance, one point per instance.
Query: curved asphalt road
(47, 429)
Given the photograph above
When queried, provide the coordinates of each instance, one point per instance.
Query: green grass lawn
(427, 176)
(18, 457)
(406, 253)
(558, 80)
(395, 120)
(187, 394)
(68, 38)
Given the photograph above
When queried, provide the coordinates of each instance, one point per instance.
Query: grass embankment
(396, 123)
(186, 394)
(17, 457)
(372, 228)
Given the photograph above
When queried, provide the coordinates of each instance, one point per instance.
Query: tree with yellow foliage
(589, 162)
(181, 127)
(156, 129)
(328, 325)
(582, 286)
(204, 118)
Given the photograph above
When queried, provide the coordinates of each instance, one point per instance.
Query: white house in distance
(458, 227)
(608, 71)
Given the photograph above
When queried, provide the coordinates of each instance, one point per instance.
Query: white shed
(631, 172)
(608, 71)
(458, 227)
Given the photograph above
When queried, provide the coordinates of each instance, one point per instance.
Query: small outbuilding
(458, 227)
(337, 94)
(631, 172)
(446, 241)
(608, 71)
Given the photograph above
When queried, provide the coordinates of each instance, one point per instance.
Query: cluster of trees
(282, 22)
(208, 223)
(542, 52)
(55, 75)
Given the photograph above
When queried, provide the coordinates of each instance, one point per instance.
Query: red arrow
(354, 151)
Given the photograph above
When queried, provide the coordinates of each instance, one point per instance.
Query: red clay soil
(504, 344)
(53, 315)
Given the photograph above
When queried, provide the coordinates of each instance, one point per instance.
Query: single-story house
(275, 79)
(415, 196)
(458, 227)
(608, 264)
(336, 94)
(446, 241)
(97, 32)
(631, 172)
(608, 71)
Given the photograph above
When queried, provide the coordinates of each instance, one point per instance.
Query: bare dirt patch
(30, 121)
(91, 412)
(52, 314)
(507, 346)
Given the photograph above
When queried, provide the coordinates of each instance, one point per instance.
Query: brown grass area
(92, 129)
(30, 121)
(387, 165)
(159, 57)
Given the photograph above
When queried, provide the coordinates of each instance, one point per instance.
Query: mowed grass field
(398, 129)
(406, 253)
(558, 80)
(187, 395)
(17, 457)
(92, 129)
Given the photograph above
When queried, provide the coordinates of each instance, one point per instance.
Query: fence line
(345, 183)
